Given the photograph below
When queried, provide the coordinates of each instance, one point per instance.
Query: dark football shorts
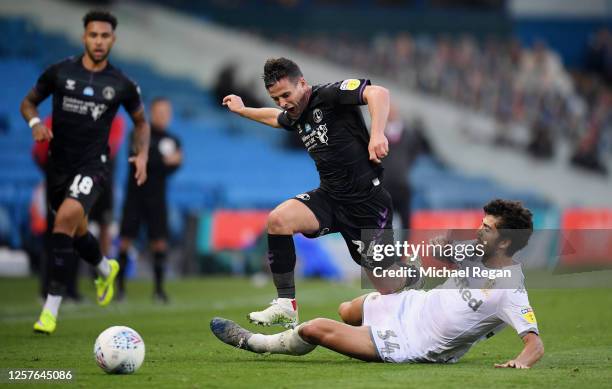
(102, 211)
(141, 208)
(360, 224)
(84, 184)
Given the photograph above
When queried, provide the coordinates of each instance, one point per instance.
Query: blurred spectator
(227, 83)
(406, 142)
(541, 143)
(519, 87)
(599, 54)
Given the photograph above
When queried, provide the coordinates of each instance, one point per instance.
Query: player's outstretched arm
(532, 352)
(377, 99)
(142, 136)
(268, 116)
(29, 111)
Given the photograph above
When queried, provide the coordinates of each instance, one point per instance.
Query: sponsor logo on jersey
(466, 294)
(317, 115)
(108, 92)
(322, 134)
(70, 84)
(74, 105)
(528, 315)
(350, 84)
(88, 91)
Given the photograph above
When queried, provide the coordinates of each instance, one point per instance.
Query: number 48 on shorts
(81, 185)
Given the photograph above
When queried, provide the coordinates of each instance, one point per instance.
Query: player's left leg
(156, 218)
(88, 248)
(355, 342)
(367, 225)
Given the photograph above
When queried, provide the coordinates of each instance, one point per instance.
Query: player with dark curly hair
(439, 325)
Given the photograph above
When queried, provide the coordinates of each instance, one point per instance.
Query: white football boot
(282, 312)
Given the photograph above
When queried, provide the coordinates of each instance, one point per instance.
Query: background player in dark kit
(87, 91)
(147, 203)
(350, 197)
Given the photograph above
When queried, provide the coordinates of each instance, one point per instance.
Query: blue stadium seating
(229, 161)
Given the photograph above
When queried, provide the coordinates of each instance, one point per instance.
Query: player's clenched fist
(41, 133)
(378, 147)
(234, 103)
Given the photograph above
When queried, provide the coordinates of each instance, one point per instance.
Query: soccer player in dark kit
(147, 204)
(350, 197)
(87, 91)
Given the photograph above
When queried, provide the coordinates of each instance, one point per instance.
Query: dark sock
(159, 265)
(281, 257)
(88, 248)
(123, 260)
(63, 257)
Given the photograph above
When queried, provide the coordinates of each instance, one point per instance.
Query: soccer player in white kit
(439, 325)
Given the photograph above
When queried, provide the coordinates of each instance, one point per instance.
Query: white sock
(288, 342)
(53, 303)
(103, 268)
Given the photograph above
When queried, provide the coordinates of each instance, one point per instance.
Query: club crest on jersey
(322, 134)
(70, 84)
(317, 115)
(108, 92)
(88, 91)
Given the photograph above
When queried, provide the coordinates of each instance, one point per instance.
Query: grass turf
(576, 327)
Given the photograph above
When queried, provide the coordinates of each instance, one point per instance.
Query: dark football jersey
(334, 133)
(162, 143)
(84, 105)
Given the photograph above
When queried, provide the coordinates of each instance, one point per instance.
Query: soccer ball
(119, 350)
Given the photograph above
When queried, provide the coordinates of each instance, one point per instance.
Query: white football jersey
(462, 311)
(442, 324)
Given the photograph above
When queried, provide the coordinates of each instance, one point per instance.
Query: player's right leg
(288, 218)
(67, 219)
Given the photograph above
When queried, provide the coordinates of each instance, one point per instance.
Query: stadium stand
(229, 163)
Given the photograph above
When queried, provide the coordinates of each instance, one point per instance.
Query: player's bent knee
(278, 223)
(66, 223)
(313, 331)
(344, 310)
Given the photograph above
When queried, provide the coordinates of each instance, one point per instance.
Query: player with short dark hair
(350, 198)
(87, 92)
(435, 326)
(147, 204)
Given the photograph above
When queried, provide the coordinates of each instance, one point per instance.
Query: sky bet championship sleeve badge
(350, 84)
(528, 315)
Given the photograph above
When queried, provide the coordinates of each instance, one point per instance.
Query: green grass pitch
(576, 327)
